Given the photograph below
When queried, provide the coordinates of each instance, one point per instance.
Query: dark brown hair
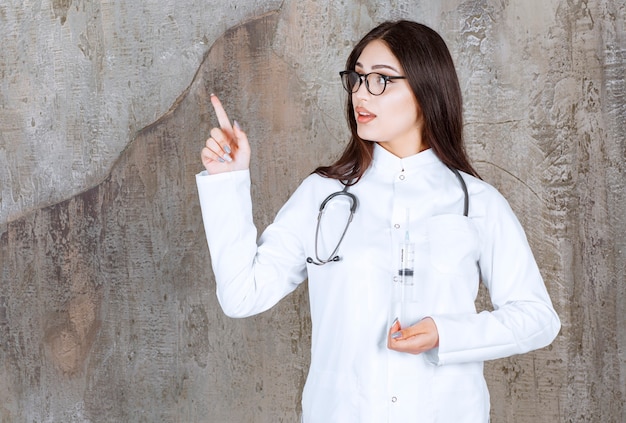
(430, 71)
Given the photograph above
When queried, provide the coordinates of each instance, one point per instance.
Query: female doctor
(394, 239)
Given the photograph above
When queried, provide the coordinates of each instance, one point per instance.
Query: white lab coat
(353, 376)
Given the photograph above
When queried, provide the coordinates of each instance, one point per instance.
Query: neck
(403, 150)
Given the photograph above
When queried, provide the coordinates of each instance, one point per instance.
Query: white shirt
(353, 376)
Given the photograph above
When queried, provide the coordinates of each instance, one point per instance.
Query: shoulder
(311, 192)
(315, 185)
(485, 199)
(480, 187)
(491, 212)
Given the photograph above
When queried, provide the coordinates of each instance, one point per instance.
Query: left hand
(416, 339)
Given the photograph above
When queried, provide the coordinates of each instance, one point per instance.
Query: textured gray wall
(107, 304)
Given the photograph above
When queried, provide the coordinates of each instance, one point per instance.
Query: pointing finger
(222, 117)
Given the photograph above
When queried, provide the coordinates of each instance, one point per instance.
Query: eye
(355, 78)
(381, 79)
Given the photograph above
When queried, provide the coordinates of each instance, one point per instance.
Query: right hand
(227, 148)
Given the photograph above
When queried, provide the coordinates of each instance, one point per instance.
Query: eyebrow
(379, 67)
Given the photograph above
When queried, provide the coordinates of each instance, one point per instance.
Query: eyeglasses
(374, 81)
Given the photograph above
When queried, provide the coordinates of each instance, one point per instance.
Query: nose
(362, 91)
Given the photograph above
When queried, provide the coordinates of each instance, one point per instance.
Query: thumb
(395, 326)
(239, 133)
(242, 147)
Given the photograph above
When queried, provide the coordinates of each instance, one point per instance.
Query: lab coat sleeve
(523, 318)
(250, 277)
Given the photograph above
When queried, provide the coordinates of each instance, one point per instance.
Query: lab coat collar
(384, 161)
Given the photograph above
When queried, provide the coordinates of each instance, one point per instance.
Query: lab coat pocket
(453, 244)
(465, 387)
(329, 397)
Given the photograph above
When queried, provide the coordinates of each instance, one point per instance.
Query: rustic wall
(107, 307)
(80, 78)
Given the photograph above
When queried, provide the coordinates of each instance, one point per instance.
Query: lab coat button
(394, 399)
(401, 177)
(397, 226)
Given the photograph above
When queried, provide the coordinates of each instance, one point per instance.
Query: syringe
(404, 290)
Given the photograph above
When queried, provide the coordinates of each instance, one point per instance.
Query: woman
(396, 336)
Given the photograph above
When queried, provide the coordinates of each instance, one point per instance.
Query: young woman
(406, 233)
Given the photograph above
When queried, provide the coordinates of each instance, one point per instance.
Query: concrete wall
(107, 304)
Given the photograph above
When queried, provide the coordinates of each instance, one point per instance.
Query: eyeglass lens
(374, 82)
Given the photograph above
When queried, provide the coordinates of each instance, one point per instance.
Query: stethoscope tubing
(333, 256)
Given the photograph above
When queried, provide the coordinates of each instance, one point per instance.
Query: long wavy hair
(431, 74)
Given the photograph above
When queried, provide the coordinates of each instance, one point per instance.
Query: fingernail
(396, 335)
(212, 95)
(394, 322)
(219, 159)
(227, 157)
(237, 125)
(227, 148)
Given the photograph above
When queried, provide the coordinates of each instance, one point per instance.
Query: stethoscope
(333, 257)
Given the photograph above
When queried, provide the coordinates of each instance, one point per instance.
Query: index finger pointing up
(222, 117)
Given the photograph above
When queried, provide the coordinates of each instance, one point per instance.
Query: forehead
(377, 55)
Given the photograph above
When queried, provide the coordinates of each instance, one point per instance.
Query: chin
(367, 135)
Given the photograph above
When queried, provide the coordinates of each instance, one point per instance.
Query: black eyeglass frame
(365, 77)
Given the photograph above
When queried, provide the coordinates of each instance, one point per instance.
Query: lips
(363, 115)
